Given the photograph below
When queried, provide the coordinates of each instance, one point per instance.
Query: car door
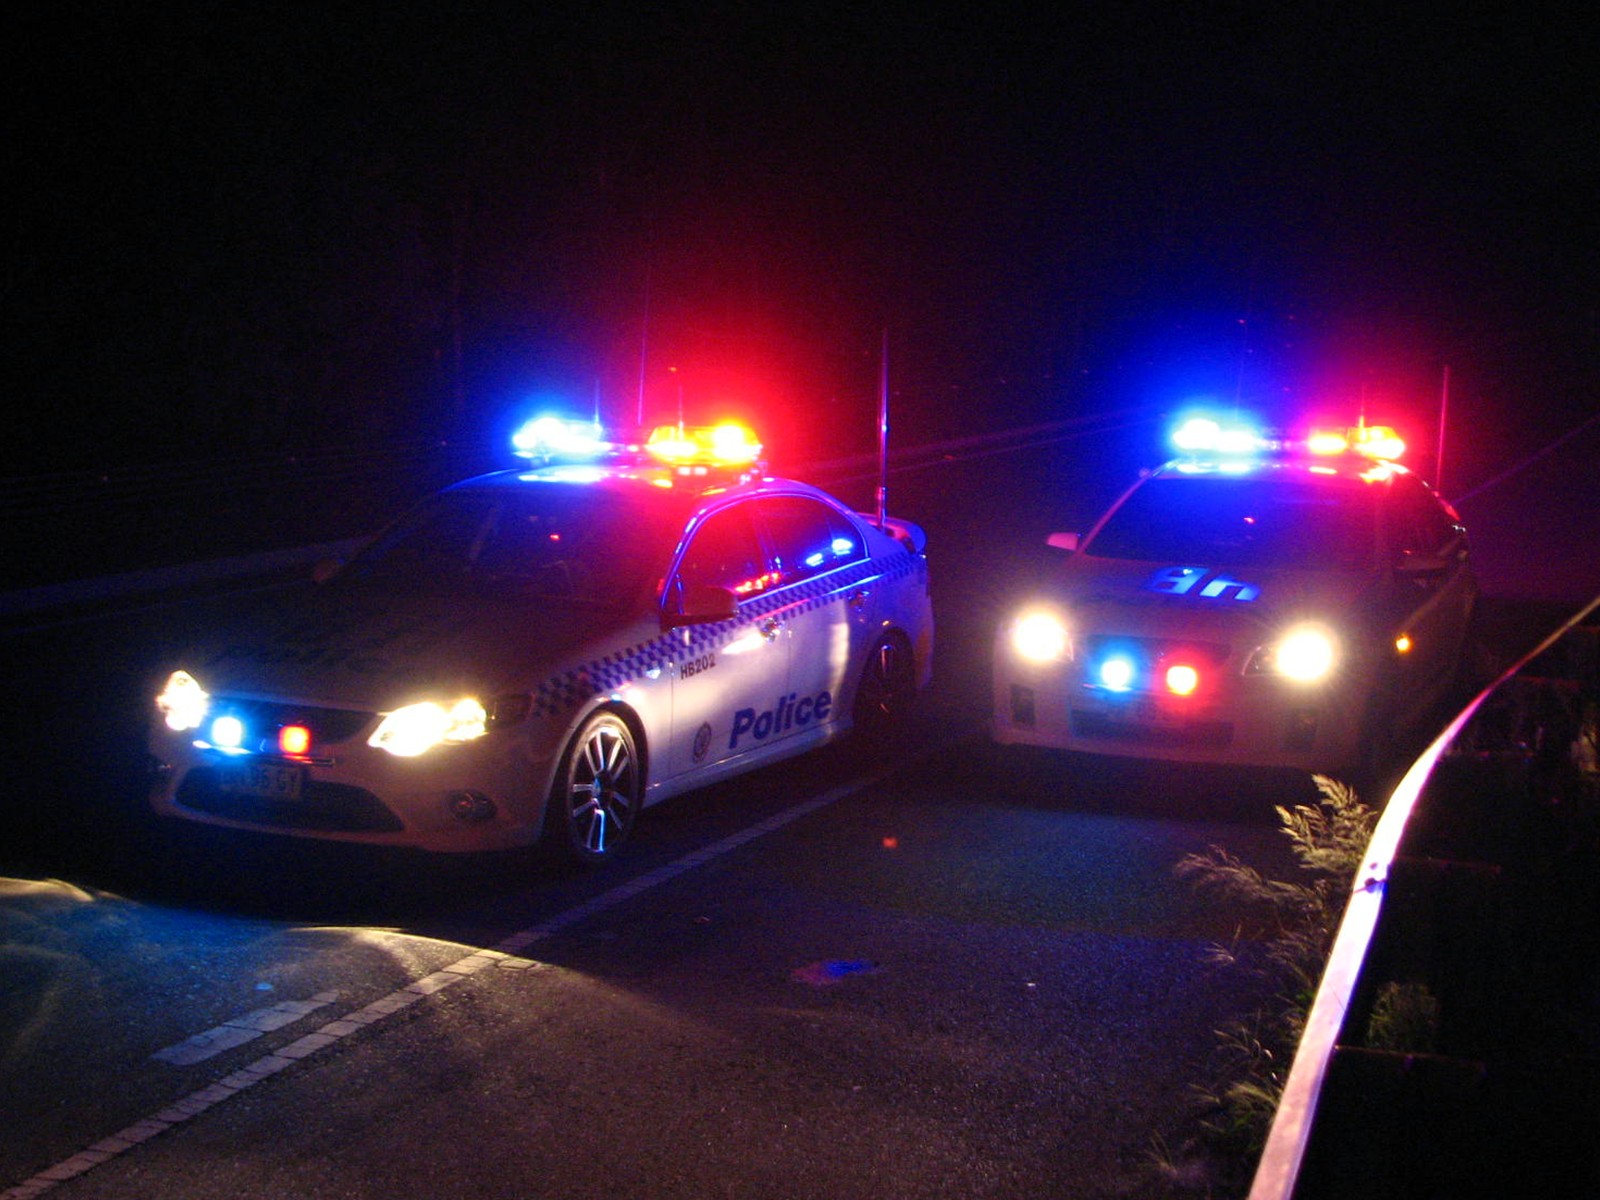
(825, 597)
(731, 675)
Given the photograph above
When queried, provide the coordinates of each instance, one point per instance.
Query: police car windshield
(1307, 524)
(547, 540)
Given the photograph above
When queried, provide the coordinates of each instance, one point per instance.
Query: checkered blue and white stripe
(608, 673)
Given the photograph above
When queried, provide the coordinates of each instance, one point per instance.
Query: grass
(1291, 924)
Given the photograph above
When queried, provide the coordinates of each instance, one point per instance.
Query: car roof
(1335, 470)
(1160, 523)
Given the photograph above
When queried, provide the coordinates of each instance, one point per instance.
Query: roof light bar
(1208, 436)
(698, 450)
(1203, 436)
(725, 445)
(1379, 441)
(1369, 441)
(550, 437)
(1327, 441)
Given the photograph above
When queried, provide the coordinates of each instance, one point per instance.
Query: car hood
(361, 647)
(1194, 599)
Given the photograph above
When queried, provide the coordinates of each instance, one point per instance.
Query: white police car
(546, 651)
(1248, 603)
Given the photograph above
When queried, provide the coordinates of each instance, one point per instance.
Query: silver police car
(1250, 603)
(543, 652)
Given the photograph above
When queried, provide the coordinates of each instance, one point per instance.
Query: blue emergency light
(1205, 435)
(553, 439)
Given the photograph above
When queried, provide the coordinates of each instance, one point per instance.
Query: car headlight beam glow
(183, 702)
(1306, 654)
(418, 728)
(1041, 637)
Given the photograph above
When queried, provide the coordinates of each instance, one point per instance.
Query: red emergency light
(1369, 441)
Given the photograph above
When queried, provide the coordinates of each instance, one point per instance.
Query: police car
(546, 651)
(1252, 602)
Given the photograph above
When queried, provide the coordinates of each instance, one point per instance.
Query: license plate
(1148, 712)
(267, 781)
(1141, 710)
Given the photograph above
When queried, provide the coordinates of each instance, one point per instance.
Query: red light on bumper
(1182, 679)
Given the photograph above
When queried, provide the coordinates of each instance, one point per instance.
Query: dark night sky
(235, 231)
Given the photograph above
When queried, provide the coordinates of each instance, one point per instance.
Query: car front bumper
(1247, 722)
(481, 796)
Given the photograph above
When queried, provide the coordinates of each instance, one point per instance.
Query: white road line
(503, 956)
(236, 1031)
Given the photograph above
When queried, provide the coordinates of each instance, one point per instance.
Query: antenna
(883, 435)
(644, 343)
(1444, 407)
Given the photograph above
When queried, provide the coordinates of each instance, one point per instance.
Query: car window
(548, 541)
(1420, 523)
(1245, 521)
(725, 552)
(808, 537)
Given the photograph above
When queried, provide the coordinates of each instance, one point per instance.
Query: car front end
(1228, 610)
(1154, 682)
(425, 713)
(457, 775)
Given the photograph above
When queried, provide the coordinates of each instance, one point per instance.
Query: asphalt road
(902, 992)
(948, 971)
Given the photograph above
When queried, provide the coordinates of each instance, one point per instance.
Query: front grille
(326, 807)
(1154, 650)
(327, 725)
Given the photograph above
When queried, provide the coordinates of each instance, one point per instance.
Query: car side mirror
(704, 604)
(1063, 541)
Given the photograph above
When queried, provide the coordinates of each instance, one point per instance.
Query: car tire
(598, 792)
(887, 691)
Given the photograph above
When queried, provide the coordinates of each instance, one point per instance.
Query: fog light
(471, 807)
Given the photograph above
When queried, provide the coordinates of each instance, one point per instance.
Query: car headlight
(416, 728)
(183, 702)
(1305, 653)
(1041, 637)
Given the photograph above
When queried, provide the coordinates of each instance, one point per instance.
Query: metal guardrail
(1282, 1172)
(83, 594)
(115, 525)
